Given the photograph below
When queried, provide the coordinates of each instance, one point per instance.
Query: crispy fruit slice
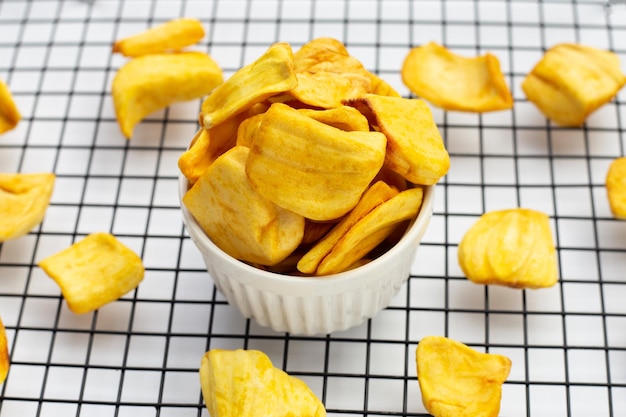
(380, 87)
(616, 187)
(245, 383)
(369, 231)
(9, 114)
(456, 380)
(173, 35)
(152, 82)
(271, 74)
(453, 82)
(572, 81)
(343, 117)
(415, 148)
(4, 353)
(511, 247)
(239, 220)
(327, 74)
(24, 199)
(94, 271)
(374, 196)
(310, 168)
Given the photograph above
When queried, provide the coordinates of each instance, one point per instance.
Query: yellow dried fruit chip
(512, 247)
(271, 74)
(95, 271)
(9, 113)
(310, 168)
(572, 81)
(371, 230)
(172, 35)
(381, 87)
(4, 353)
(152, 82)
(24, 199)
(239, 220)
(415, 148)
(454, 82)
(456, 380)
(616, 187)
(343, 117)
(374, 196)
(245, 383)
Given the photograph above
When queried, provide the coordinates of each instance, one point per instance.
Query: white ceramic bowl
(310, 306)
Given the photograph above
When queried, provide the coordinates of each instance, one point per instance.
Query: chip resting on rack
(152, 82)
(4, 353)
(572, 81)
(454, 82)
(172, 35)
(24, 199)
(616, 187)
(245, 383)
(9, 113)
(512, 247)
(95, 271)
(240, 221)
(415, 148)
(456, 380)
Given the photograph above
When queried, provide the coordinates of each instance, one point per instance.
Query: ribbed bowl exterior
(309, 305)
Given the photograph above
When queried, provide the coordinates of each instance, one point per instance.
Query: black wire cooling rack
(140, 355)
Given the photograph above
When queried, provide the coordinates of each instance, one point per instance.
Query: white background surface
(139, 356)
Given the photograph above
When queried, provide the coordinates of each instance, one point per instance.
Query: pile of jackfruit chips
(305, 161)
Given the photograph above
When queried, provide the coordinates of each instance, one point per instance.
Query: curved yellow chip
(239, 220)
(152, 82)
(271, 74)
(512, 247)
(454, 82)
(311, 168)
(342, 117)
(172, 35)
(616, 187)
(95, 271)
(24, 199)
(415, 148)
(371, 230)
(456, 380)
(245, 383)
(9, 113)
(4, 353)
(572, 81)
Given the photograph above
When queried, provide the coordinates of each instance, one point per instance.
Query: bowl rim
(413, 232)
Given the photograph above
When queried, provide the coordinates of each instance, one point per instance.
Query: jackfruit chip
(381, 87)
(371, 230)
(4, 353)
(310, 168)
(374, 196)
(172, 35)
(247, 130)
(245, 383)
(207, 145)
(314, 231)
(9, 113)
(95, 271)
(240, 221)
(327, 74)
(24, 199)
(415, 148)
(271, 74)
(456, 380)
(343, 117)
(454, 82)
(152, 82)
(512, 247)
(616, 187)
(572, 81)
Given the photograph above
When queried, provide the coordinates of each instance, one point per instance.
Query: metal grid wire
(139, 356)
